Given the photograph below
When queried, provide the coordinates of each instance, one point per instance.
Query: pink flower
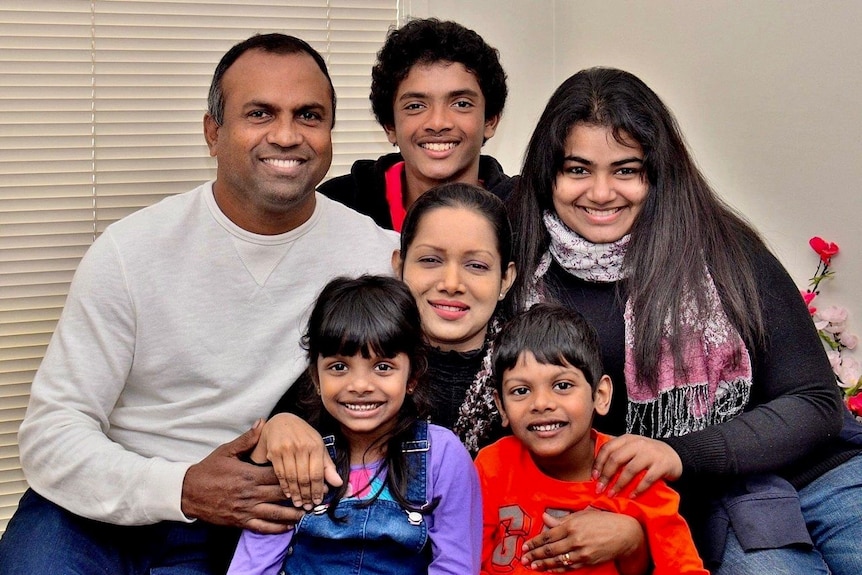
(849, 371)
(855, 404)
(849, 340)
(836, 316)
(834, 359)
(823, 248)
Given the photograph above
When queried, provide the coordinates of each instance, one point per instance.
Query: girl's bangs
(368, 336)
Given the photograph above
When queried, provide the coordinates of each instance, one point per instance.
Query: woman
(456, 259)
(721, 383)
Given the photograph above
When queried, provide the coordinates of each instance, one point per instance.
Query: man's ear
(397, 264)
(390, 135)
(602, 395)
(500, 409)
(211, 128)
(490, 127)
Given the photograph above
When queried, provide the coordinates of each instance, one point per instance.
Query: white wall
(767, 92)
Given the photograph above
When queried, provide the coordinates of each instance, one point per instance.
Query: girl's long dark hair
(683, 227)
(372, 316)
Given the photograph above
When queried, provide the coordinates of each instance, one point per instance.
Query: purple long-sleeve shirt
(454, 527)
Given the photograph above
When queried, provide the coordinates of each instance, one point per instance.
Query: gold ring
(566, 559)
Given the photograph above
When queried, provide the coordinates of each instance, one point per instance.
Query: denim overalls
(380, 538)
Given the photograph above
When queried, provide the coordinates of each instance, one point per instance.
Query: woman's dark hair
(375, 316)
(428, 41)
(683, 227)
(555, 335)
(474, 198)
(274, 43)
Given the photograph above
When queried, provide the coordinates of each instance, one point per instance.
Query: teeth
(449, 307)
(595, 212)
(547, 427)
(282, 163)
(362, 406)
(434, 147)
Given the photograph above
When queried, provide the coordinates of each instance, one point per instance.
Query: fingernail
(611, 493)
(258, 423)
(595, 474)
(308, 506)
(600, 487)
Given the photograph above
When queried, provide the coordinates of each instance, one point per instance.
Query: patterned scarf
(716, 385)
(478, 411)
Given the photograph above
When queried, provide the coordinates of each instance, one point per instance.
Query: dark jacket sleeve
(364, 188)
(795, 408)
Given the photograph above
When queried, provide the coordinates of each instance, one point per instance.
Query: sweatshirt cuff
(163, 487)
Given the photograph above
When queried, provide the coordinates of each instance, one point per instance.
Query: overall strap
(329, 444)
(416, 452)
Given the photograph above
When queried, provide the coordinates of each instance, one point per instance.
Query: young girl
(409, 501)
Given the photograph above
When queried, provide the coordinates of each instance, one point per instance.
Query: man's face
(275, 143)
(440, 125)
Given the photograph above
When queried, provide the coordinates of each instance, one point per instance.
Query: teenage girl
(409, 498)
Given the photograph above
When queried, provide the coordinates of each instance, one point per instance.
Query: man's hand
(300, 460)
(224, 490)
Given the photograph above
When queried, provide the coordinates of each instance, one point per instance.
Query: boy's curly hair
(426, 41)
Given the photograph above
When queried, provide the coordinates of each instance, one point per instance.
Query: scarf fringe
(682, 410)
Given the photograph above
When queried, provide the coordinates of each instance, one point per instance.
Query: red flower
(855, 404)
(823, 248)
(809, 296)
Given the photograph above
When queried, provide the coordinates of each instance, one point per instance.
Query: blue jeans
(832, 508)
(44, 538)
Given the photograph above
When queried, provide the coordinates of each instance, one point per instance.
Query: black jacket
(364, 188)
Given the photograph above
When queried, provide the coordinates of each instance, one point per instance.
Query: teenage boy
(438, 90)
(549, 382)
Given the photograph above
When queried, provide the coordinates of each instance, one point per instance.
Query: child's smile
(550, 409)
(363, 394)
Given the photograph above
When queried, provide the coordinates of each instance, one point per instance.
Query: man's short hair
(274, 43)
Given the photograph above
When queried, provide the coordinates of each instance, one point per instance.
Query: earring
(502, 295)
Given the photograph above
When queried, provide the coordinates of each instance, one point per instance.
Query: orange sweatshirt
(515, 493)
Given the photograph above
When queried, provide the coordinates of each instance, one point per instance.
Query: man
(181, 328)
(438, 90)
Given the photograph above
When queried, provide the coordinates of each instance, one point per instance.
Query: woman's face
(454, 271)
(602, 187)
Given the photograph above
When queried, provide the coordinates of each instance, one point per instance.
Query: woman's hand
(298, 457)
(630, 455)
(588, 537)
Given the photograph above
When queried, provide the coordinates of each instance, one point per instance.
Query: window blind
(101, 107)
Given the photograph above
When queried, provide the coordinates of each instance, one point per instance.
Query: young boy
(438, 90)
(549, 382)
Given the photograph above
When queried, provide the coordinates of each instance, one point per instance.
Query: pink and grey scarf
(717, 382)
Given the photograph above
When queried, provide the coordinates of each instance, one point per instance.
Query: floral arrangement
(831, 324)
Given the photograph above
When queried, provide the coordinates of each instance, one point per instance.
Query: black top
(793, 419)
(364, 188)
